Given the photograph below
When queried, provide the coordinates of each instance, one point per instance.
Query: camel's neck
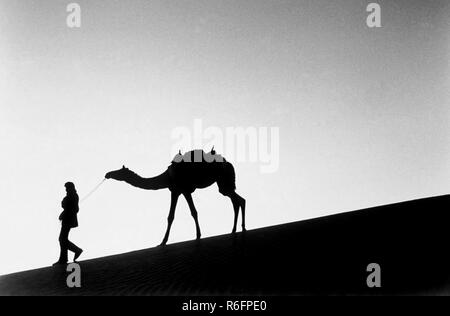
(155, 183)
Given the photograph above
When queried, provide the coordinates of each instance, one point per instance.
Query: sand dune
(327, 255)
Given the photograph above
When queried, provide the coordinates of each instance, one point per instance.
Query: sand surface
(325, 256)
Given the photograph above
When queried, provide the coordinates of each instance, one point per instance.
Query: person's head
(70, 187)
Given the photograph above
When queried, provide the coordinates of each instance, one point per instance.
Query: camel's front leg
(173, 205)
(193, 213)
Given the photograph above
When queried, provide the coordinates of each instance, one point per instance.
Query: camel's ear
(123, 167)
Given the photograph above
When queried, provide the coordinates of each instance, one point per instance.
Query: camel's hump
(198, 155)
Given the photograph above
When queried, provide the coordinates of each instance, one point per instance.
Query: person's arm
(71, 204)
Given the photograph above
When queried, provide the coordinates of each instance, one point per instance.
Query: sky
(363, 113)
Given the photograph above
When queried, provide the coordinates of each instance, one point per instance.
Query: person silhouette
(68, 220)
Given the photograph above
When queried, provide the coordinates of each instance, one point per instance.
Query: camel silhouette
(186, 173)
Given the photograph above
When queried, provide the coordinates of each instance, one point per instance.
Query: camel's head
(119, 175)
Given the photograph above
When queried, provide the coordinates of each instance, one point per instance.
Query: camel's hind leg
(236, 213)
(242, 203)
(238, 202)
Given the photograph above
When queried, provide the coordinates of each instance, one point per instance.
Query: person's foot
(59, 263)
(77, 255)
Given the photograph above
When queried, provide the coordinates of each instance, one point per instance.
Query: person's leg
(63, 243)
(73, 248)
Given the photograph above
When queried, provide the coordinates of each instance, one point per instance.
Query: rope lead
(93, 191)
